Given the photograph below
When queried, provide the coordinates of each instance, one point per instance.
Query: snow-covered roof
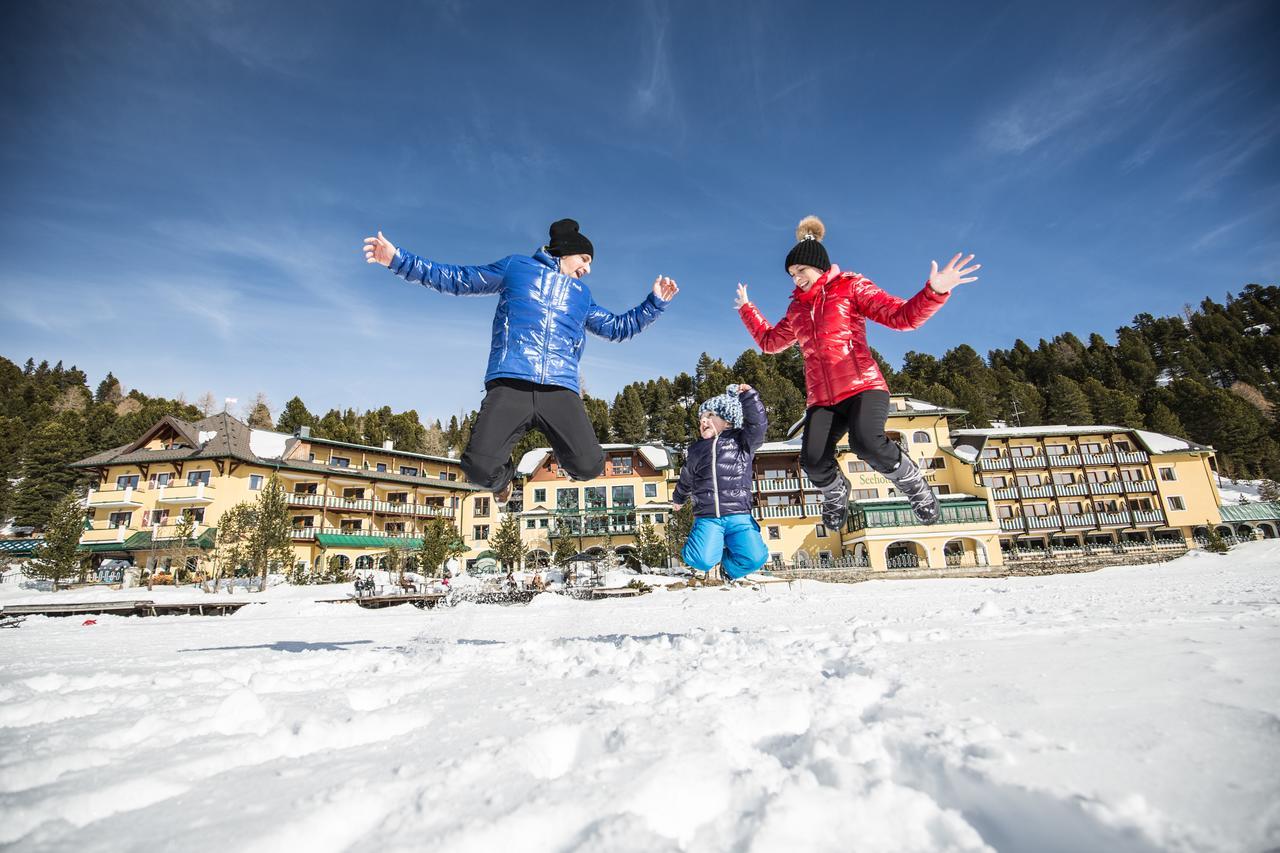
(1158, 442)
(1058, 429)
(268, 444)
(656, 456)
(966, 452)
(791, 445)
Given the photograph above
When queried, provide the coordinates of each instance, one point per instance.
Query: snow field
(1130, 709)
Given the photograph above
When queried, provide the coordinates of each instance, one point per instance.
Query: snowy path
(1130, 709)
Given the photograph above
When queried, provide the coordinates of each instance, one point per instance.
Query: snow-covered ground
(1240, 491)
(1128, 709)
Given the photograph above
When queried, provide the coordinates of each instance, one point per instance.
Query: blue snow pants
(733, 541)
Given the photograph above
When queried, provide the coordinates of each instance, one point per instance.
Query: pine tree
(506, 542)
(651, 547)
(679, 525)
(598, 413)
(1162, 419)
(45, 475)
(58, 557)
(1067, 404)
(109, 391)
(260, 413)
(566, 546)
(271, 540)
(231, 547)
(628, 417)
(1268, 490)
(440, 542)
(294, 416)
(1214, 543)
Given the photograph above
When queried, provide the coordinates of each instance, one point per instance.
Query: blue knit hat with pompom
(726, 405)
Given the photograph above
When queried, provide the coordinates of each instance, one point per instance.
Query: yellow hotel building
(1007, 494)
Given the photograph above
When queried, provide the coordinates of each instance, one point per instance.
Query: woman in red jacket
(845, 389)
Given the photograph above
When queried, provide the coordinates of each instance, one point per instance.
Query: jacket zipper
(715, 482)
(813, 324)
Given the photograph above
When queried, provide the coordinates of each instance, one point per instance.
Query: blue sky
(186, 184)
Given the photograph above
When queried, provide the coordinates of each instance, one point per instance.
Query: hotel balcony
(778, 511)
(1070, 490)
(1066, 460)
(1139, 485)
(1015, 524)
(1098, 458)
(788, 484)
(1115, 487)
(1112, 518)
(1043, 522)
(1139, 458)
(303, 499)
(995, 463)
(104, 531)
(1036, 461)
(1140, 517)
(1086, 519)
(411, 539)
(116, 497)
(196, 494)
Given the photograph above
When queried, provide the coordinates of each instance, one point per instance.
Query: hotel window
(1098, 476)
(857, 466)
(566, 498)
(303, 521)
(593, 497)
(531, 523)
(774, 532)
(394, 527)
(197, 477)
(1141, 505)
(1168, 475)
(353, 494)
(255, 482)
(1037, 510)
(1004, 512)
(1022, 450)
(452, 476)
(1071, 508)
(921, 437)
(159, 480)
(339, 462)
(1064, 478)
(480, 531)
(1106, 506)
(620, 464)
(932, 463)
(119, 519)
(381, 467)
(776, 559)
(311, 457)
(657, 518)
(1131, 475)
(1176, 503)
(997, 482)
(397, 497)
(650, 490)
(127, 481)
(1028, 481)
(304, 488)
(540, 496)
(821, 531)
(155, 517)
(351, 525)
(196, 513)
(1092, 448)
(543, 523)
(941, 490)
(408, 471)
(778, 474)
(824, 558)
(864, 494)
(482, 508)
(1056, 449)
(1122, 446)
(624, 495)
(989, 453)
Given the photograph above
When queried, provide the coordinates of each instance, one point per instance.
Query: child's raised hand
(951, 276)
(742, 296)
(665, 288)
(378, 250)
(744, 388)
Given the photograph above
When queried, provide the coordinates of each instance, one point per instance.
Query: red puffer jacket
(829, 322)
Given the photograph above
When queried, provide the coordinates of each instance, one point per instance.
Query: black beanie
(566, 239)
(809, 251)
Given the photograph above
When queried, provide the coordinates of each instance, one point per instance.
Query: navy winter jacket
(543, 315)
(717, 471)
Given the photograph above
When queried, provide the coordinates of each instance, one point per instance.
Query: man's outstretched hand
(948, 278)
(663, 288)
(378, 250)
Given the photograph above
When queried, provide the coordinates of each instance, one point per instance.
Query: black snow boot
(835, 504)
(910, 482)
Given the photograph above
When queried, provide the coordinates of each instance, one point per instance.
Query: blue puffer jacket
(543, 315)
(717, 471)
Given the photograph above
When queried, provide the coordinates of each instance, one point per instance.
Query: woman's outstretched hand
(742, 296)
(665, 288)
(378, 250)
(946, 279)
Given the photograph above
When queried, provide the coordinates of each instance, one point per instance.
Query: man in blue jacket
(539, 331)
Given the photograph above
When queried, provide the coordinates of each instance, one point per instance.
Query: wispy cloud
(655, 95)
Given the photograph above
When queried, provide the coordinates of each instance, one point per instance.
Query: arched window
(921, 437)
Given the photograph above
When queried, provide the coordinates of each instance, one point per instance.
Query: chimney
(388, 445)
(304, 432)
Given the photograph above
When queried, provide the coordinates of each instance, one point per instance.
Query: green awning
(352, 540)
(1256, 511)
(103, 547)
(141, 541)
(19, 547)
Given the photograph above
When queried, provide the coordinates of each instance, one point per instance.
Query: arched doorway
(905, 554)
(364, 563)
(965, 551)
(1267, 529)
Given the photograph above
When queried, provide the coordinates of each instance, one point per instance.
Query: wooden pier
(126, 608)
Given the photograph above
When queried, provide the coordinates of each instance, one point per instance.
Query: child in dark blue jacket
(717, 475)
